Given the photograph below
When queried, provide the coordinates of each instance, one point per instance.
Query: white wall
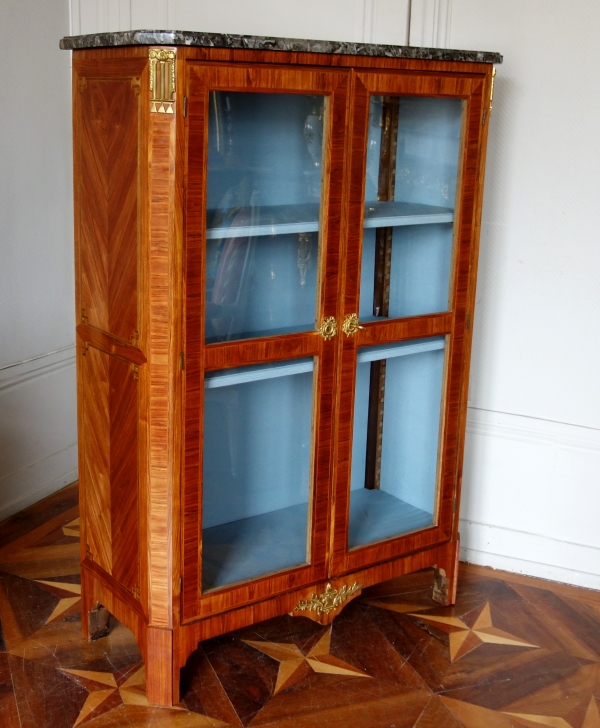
(384, 21)
(532, 472)
(531, 492)
(37, 385)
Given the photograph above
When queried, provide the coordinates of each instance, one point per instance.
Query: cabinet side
(108, 175)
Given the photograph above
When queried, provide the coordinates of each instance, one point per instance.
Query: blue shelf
(376, 515)
(304, 218)
(251, 547)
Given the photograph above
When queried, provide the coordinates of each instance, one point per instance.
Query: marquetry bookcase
(276, 250)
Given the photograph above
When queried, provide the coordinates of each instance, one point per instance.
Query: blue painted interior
(259, 156)
(257, 456)
(254, 546)
(426, 173)
(427, 151)
(376, 515)
(411, 428)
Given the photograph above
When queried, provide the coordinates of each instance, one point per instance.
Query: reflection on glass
(397, 411)
(263, 200)
(256, 470)
(411, 178)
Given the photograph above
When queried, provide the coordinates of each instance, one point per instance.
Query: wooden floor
(514, 651)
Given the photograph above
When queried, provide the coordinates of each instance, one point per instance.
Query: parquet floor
(514, 651)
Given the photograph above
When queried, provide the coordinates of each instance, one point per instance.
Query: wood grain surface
(108, 176)
(140, 185)
(334, 85)
(452, 324)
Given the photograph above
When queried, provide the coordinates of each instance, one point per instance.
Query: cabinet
(276, 250)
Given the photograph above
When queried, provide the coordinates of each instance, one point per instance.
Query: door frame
(202, 77)
(452, 323)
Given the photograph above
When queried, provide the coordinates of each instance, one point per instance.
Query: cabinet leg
(176, 684)
(446, 577)
(159, 667)
(96, 623)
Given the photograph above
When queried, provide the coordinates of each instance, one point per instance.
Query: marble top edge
(263, 43)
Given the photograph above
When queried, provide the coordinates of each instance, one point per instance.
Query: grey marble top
(259, 43)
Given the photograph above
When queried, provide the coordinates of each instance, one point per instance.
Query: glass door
(403, 343)
(265, 164)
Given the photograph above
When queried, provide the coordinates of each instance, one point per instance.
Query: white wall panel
(430, 23)
(38, 433)
(37, 390)
(535, 349)
(533, 447)
(36, 238)
(379, 21)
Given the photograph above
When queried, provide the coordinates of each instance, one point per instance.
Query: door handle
(351, 325)
(328, 328)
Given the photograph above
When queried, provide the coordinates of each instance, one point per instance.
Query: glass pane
(412, 170)
(257, 470)
(397, 410)
(263, 199)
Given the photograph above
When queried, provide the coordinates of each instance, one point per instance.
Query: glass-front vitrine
(276, 262)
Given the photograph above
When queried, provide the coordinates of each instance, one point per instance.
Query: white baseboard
(28, 486)
(531, 498)
(38, 429)
(531, 554)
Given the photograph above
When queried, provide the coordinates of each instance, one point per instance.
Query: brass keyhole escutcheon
(328, 328)
(351, 325)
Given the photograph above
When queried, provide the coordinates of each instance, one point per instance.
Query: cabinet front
(414, 168)
(265, 156)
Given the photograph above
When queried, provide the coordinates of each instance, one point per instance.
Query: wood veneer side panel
(161, 201)
(110, 465)
(124, 496)
(108, 203)
(108, 133)
(95, 436)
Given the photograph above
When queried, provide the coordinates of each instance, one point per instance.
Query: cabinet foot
(160, 675)
(445, 577)
(97, 623)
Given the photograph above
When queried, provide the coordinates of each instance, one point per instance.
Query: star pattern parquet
(512, 652)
